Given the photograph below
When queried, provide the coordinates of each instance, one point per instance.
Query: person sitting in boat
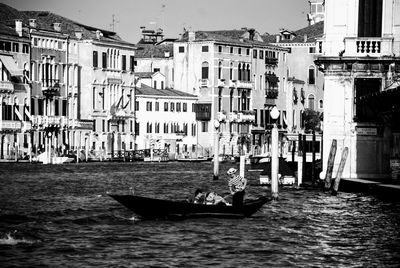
(237, 185)
(199, 197)
(213, 198)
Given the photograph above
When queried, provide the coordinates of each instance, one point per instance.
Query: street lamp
(274, 154)
(216, 149)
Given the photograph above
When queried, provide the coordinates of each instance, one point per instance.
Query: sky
(176, 15)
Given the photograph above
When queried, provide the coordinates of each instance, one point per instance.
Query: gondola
(151, 208)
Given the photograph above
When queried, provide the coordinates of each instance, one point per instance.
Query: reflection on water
(61, 216)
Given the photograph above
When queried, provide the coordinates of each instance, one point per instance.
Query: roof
(312, 32)
(238, 37)
(46, 19)
(154, 51)
(144, 74)
(146, 90)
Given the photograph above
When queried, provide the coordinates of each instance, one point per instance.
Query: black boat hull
(146, 207)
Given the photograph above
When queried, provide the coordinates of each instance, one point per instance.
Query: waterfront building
(305, 84)
(360, 59)
(165, 118)
(15, 124)
(229, 73)
(155, 54)
(317, 11)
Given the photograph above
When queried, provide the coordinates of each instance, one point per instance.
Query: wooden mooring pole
(345, 153)
(313, 158)
(329, 168)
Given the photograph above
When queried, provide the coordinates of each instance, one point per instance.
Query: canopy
(11, 66)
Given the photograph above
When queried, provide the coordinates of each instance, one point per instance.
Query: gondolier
(237, 185)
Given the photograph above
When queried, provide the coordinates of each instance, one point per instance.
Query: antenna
(114, 22)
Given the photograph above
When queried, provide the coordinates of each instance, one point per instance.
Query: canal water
(61, 216)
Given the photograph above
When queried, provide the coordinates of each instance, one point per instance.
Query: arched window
(220, 100)
(220, 70)
(204, 70)
(321, 104)
(231, 101)
(311, 75)
(311, 101)
(231, 71)
(248, 73)
(240, 71)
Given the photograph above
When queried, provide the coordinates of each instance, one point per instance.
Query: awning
(272, 78)
(10, 65)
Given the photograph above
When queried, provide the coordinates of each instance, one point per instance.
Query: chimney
(57, 26)
(278, 38)
(191, 36)
(166, 54)
(305, 38)
(78, 34)
(18, 27)
(32, 23)
(98, 34)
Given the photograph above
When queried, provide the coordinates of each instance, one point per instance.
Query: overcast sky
(175, 15)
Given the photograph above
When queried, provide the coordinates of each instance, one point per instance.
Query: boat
(152, 208)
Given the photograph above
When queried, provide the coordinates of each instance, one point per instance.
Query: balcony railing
(246, 116)
(374, 47)
(50, 86)
(6, 87)
(203, 82)
(244, 84)
(272, 93)
(11, 125)
(43, 121)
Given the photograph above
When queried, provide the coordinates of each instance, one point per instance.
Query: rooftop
(149, 91)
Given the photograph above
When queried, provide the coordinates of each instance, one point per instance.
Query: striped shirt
(237, 184)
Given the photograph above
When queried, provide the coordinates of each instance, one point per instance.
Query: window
(64, 108)
(132, 64)
(204, 70)
(240, 51)
(172, 106)
(157, 128)
(220, 100)
(181, 49)
(123, 62)
(204, 49)
(136, 106)
(185, 107)
(219, 70)
(165, 127)
(255, 53)
(311, 101)
(165, 106)
(155, 84)
(15, 47)
(248, 51)
(321, 104)
(370, 18)
(311, 75)
(104, 60)
(204, 126)
(231, 72)
(149, 127)
(157, 106)
(25, 48)
(261, 54)
(363, 111)
(5, 46)
(220, 49)
(149, 106)
(178, 106)
(156, 70)
(137, 128)
(311, 50)
(162, 84)
(231, 50)
(95, 59)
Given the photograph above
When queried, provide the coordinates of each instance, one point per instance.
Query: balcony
(221, 82)
(50, 86)
(246, 117)
(45, 121)
(373, 47)
(203, 83)
(233, 116)
(271, 61)
(244, 84)
(221, 116)
(10, 125)
(6, 87)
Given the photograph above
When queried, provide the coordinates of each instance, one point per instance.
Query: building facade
(360, 61)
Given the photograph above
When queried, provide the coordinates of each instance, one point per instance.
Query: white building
(361, 59)
(165, 118)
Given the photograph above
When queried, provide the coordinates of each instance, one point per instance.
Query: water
(55, 216)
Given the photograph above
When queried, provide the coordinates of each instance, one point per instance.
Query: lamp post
(216, 149)
(274, 154)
